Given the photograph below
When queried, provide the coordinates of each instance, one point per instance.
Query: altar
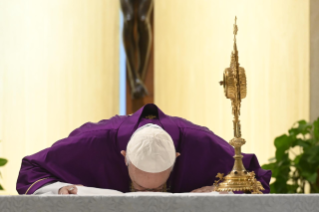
(158, 202)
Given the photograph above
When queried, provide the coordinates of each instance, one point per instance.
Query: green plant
(2, 163)
(292, 174)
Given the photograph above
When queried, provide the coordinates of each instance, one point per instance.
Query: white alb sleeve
(52, 188)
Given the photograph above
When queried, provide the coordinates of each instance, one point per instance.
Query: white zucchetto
(151, 149)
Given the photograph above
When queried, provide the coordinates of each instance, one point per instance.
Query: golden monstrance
(235, 88)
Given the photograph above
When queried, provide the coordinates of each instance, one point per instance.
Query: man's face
(145, 181)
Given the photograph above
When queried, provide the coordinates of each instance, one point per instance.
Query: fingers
(199, 190)
(63, 191)
(205, 189)
(71, 189)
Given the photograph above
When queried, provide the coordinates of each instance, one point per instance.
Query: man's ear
(177, 154)
(123, 152)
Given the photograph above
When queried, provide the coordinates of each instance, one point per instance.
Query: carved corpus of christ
(137, 38)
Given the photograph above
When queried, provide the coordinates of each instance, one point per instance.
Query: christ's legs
(128, 32)
(137, 87)
(145, 35)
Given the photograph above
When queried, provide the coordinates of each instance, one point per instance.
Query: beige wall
(193, 44)
(314, 59)
(58, 70)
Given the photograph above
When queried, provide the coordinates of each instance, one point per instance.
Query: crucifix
(137, 39)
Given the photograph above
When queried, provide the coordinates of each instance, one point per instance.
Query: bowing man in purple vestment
(147, 151)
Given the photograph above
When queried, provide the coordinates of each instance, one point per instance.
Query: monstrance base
(245, 182)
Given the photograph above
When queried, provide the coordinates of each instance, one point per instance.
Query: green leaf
(296, 160)
(282, 170)
(312, 155)
(273, 188)
(305, 166)
(1, 188)
(306, 163)
(281, 185)
(293, 132)
(272, 167)
(272, 159)
(304, 127)
(312, 177)
(292, 188)
(3, 161)
(301, 143)
(269, 166)
(314, 189)
(316, 129)
(282, 143)
(275, 172)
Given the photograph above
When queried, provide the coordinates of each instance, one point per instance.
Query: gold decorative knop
(235, 88)
(150, 117)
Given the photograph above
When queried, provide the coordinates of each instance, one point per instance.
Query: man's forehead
(151, 182)
(145, 178)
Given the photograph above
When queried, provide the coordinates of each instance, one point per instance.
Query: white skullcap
(151, 149)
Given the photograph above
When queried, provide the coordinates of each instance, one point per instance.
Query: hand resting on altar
(71, 189)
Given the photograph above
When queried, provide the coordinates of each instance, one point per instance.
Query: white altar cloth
(172, 202)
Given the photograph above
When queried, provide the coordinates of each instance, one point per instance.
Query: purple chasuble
(91, 155)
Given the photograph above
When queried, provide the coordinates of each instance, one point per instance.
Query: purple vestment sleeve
(86, 157)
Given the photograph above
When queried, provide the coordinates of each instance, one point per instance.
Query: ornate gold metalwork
(235, 88)
(150, 117)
